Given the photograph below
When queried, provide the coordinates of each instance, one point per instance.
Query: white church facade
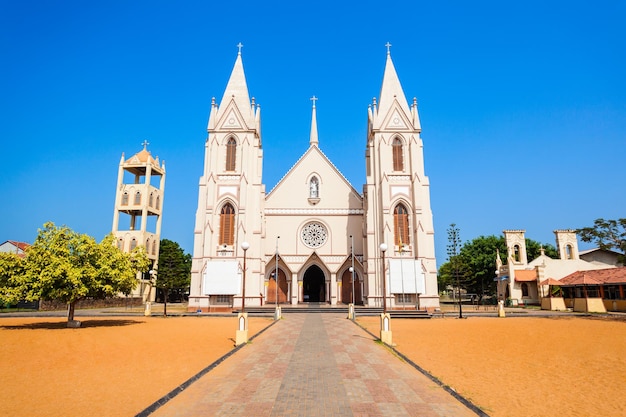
(314, 238)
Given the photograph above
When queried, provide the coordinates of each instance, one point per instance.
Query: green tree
(11, 269)
(174, 269)
(607, 234)
(67, 266)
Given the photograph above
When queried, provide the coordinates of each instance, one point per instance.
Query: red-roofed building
(605, 286)
(12, 246)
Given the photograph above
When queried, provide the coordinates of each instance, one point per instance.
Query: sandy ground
(522, 366)
(110, 366)
(119, 366)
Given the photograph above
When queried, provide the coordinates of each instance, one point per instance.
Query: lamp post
(352, 267)
(277, 309)
(241, 336)
(385, 318)
(245, 246)
(383, 249)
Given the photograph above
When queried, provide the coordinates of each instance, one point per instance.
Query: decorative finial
(145, 144)
(314, 99)
(239, 45)
(388, 45)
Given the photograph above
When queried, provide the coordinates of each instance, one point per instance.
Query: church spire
(237, 89)
(391, 89)
(313, 139)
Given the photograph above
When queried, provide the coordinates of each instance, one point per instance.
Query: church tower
(138, 209)
(397, 201)
(230, 201)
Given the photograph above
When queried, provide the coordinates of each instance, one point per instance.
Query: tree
(477, 262)
(608, 235)
(67, 266)
(454, 244)
(174, 269)
(11, 268)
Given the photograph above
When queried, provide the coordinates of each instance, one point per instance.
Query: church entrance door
(346, 288)
(282, 289)
(314, 285)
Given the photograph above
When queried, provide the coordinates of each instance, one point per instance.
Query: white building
(309, 225)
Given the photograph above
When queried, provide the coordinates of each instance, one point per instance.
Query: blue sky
(523, 105)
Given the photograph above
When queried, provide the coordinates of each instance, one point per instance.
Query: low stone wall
(52, 305)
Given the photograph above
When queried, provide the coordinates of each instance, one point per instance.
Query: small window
(125, 199)
(154, 247)
(158, 202)
(133, 244)
(398, 157)
(120, 244)
(569, 252)
(516, 253)
(222, 299)
(137, 198)
(314, 188)
(231, 153)
(151, 199)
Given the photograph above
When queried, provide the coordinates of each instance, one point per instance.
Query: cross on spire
(239, 45)
(314, 99)
(145, 144)
(388, 45)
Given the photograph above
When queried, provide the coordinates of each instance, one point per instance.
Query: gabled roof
(596, 277)
(308, 152)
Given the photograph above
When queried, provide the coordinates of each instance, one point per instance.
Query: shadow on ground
(63, 324)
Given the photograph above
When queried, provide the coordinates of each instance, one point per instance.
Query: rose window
(314, 235)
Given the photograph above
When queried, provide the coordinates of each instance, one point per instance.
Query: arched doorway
(346, 288)
(282, 288)
(314, 285)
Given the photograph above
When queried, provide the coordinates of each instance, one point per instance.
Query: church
(313, 238)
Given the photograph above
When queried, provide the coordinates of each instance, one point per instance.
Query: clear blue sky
(523, 106)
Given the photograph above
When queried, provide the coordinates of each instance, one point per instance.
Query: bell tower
(138, 209)
(397, 200)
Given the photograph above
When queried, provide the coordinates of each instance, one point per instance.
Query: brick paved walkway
(314, 365)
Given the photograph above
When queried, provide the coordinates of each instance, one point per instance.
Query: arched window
(137, 198)
(231, 153)
(398, 157)
(120, 244)
(516, 253)
(401, 225)
(569, 252)
(125, 199)
(154, 247)
(524, 289)
(314, 188)
(133, 244)
(151, 199)
(158, 202)
(227, 225)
